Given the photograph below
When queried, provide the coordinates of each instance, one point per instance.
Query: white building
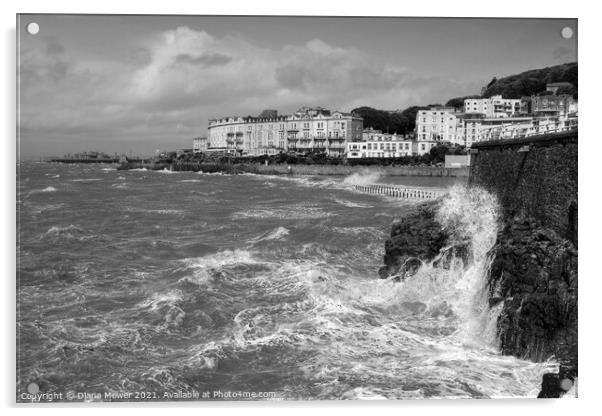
(199, 144)
(439, 124)
(380, 146)
(420, 148)
(308, 129)
(493, 107)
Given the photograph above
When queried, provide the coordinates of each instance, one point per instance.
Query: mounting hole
(33, 28)
(566, 32)
(566, 384)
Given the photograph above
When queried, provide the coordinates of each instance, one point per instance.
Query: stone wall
(534, 177)
(534, 261)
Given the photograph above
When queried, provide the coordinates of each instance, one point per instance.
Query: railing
(399, 192)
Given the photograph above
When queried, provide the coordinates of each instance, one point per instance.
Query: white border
(589, 159)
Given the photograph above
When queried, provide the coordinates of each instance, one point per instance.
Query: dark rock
(545, 234)
(550, 387)
(415, 239)
(538, 269)
(494, 300)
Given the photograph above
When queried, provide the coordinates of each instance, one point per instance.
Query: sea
(158, 285)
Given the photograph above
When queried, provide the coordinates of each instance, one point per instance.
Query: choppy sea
(160, 282)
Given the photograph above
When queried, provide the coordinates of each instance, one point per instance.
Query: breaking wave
(364, 177)
(45, 190)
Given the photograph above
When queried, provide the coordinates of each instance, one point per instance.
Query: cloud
(562, 53)
(209, 59)
(176, 80)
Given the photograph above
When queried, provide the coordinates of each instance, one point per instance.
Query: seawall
(333, 170)
(534, 261)
(534, 177)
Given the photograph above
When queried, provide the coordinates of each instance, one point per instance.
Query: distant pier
(82, 160)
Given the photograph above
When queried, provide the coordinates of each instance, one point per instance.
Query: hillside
(532, 82)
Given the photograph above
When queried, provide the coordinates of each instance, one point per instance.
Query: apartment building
(439, 124)
(493, 107)
(308, 129)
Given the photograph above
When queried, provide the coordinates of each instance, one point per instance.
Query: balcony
(337, 146)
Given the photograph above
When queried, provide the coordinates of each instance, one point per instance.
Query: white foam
(363, 177)
(203, 266)
(276, 234)
(351, 204)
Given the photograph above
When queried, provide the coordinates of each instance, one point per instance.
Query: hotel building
(308, 129)
(440, 124)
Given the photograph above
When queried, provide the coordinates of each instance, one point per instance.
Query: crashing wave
(364, 177)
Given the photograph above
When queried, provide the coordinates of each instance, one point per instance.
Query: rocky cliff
(534, 272)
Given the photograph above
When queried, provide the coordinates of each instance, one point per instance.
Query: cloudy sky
(140, 83)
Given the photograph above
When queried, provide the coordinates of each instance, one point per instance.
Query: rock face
(534, 271)
(415, 238)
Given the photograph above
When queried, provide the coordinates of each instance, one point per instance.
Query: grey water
(132, 281)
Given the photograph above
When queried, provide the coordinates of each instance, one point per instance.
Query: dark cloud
(290, 76)
(208, 59)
